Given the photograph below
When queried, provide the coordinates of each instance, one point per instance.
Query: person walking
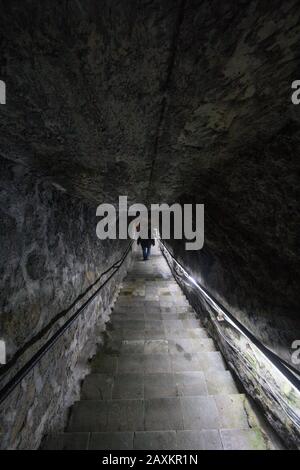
(146, 244)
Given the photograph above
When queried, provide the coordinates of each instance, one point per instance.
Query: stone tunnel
(182, 102)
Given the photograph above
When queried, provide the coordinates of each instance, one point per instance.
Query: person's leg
(144, 248)
(148, 252)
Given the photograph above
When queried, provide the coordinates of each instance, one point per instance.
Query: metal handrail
(30, 364)
(284, 367)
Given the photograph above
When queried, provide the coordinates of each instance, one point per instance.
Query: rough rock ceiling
(144, 98)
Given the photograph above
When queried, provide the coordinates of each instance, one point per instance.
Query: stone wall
(250, 257)
(50, 257)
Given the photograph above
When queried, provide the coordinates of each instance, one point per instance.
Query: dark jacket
(145, 242)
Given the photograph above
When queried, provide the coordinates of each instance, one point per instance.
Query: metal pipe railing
(30, 364)
(290, 372)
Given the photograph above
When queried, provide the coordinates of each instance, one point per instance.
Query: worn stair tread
(167, 346)
(209, 439)
(66, 441)
(245, 439)
(151, 332)
(99, 386)
(151, 363)
(220, 382)
(160, 413)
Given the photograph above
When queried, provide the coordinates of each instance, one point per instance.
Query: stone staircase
(159, 382)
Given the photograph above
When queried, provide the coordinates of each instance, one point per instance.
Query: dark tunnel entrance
(192, 342)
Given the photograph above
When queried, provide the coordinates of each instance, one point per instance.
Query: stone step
(160, 414)
(158, 300)
(157, 314)
(155, 333)
(159, 385)
(220, 382)
(145, 293)
(245, 439)
(148, 310)
(228, 439)
(163, 346)
(157, 363)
